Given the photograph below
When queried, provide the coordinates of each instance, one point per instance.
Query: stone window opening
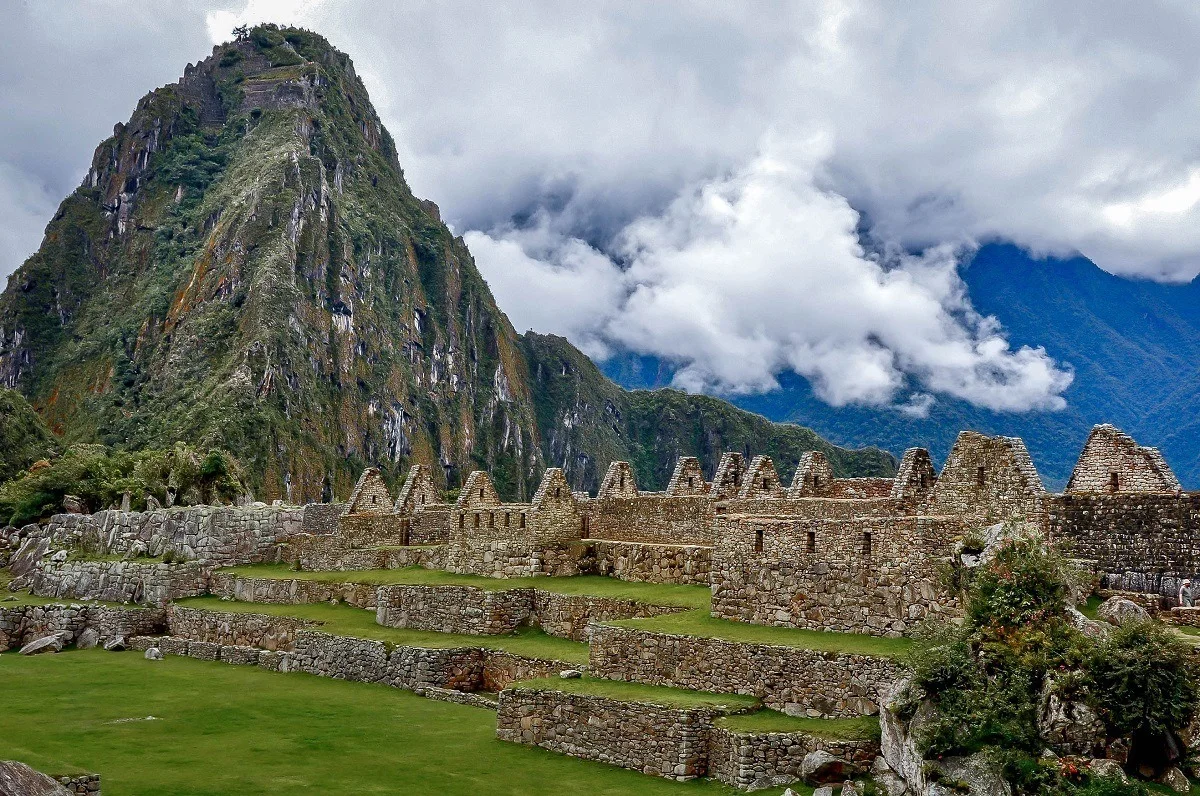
(558, 491)
(866, 545)
(621, 482)
(491, 519)
(477, 519)
(507, 520)
(816, 481)
(404, 531)
(462, 520)
(522, 520)
(737, 478)
(421, 499)
(766, 483)
(1114, 482)
(481, 493)
(374, 499)
(922, 480)
(691, 482)
(758, 540)
(980, 476)
(812, 542)
(583, 526)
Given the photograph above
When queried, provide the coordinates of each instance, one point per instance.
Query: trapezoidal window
(491, 520)
(691, 482)
(866, 546)
(481, 493)
(621, 482)
(816, 481)
(758, 540)
(374, 500)
(477, 519)
(811, 545)
(507, 519)
(522, 520)
(766, 483)
(980, 476)
(462, 520)
(583, 526)
(1114, 482)
(421, 499)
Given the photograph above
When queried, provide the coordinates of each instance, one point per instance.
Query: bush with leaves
(986, 677)
(101, 476)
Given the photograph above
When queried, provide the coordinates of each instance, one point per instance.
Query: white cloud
(763, 271)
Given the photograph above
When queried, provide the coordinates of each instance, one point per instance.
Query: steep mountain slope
(245, 267)
(1131, 345)
(24, 438)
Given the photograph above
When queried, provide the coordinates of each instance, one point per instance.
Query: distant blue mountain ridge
(1133, 345)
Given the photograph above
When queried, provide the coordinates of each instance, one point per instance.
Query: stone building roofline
(1122, 459)
(688, 478)
(553, 478)
(814, 476)
(418, 482)
(618, 481)
(727, 481)
(761, 480)
(915, 476)
(369, 484)
(478, 491)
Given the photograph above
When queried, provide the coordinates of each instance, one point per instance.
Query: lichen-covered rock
(1109, 769)
(1176, 780)
(1118, 611)
(18, 779)
(1069, 726)
(975, 772)
(52, 643)
(88, 639)
(154, 654)
(820, 767)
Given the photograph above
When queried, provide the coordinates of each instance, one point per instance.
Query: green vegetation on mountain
(24, 438)
(100, 477)
(244, 268)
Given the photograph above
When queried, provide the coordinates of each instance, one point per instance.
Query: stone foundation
(650, 563)
(322, 553)
(663, 742)
(796, 681)
(80, 784)
(21, 624)
(116, 581)
(228, 628)
(295, 591)
(753, 760)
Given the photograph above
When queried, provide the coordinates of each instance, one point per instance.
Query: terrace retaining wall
(228, 628)
(650, 563)
(21, 624)
(134, 581)
(800, 682)
(753, 760)
(663, 742)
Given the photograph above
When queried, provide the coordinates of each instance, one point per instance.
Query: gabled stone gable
(814, 476)
(990, 479)
(370, 495)
(478, 492)
(916, 476)
(761, 480)
(418, 490)
(688, 478)
(618, 482)
(1112, 462)
(727, 481)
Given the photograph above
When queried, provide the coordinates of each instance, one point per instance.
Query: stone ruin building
(804, 550)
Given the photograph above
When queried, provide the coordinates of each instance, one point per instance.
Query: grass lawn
(1090, 607)
(699, 623)
(346, 620)
(594, 585)
(221, 730)
(640, 692)
(857, 728)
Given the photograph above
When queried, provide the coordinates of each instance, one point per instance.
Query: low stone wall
(228, 628)
(20, 624)
(453, 609)
(116, 581)
(796, 681)
(413, 668)
(80, 784)
(459, 697)
(663, 742)
(650, 563)
(502, 669)
(753, 760)
(466, 609)
(218, 535)
(291, 591)
(321, 553)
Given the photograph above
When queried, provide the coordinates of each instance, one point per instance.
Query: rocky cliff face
(244, 266)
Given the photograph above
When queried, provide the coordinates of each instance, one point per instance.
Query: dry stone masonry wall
(754, 760)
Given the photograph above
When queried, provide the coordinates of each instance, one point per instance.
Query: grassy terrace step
(275, 733)
(25, 598)
(702, 625)
(862, 728)
(346, 620)
(590, 585)
(639, 692)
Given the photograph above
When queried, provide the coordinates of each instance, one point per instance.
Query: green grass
(858, 728)
(592, 585)
(699, 623)
(1090, 607)
(223, 729)
(346, 620)
(640, 692)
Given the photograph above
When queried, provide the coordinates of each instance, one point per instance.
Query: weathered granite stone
(1118, 610)
(154, 654)
(52, 643)
(19, 779)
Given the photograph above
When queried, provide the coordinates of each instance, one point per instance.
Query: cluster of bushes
(101, 477)
(989, 679)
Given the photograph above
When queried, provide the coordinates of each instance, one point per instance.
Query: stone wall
(1136, 542)
(317, 553)
(294, 591)
(238, 629)
(135, 581)
(321, 518)
(649, 563)
(664, 742)
(502, 669)
(867, 575)
(652, 517)
(218, 535)
(989, 479)
(369, 661)
(753, 760)
(466, 609)
(21, 624)
(796, 681)
(1112, 462)
(80, 784)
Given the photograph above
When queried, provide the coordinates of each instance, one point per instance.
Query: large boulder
(820, 767)
(898, 744)
(1088, 627)
(18, 779)
(1068, 725)
(51, 643)
(1108, 769)
(154, 654)
(1118, 611)
(976, 773)
(115, 644)
(1176, 780)
(88, 639)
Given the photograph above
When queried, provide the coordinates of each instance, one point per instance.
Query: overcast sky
(742, 188)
